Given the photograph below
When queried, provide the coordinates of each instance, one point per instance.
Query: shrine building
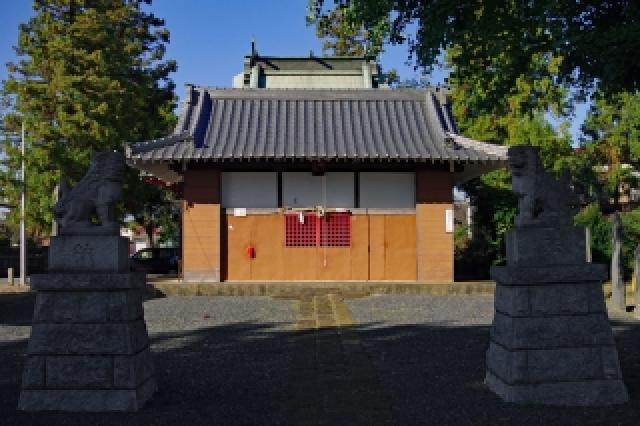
(308, 170)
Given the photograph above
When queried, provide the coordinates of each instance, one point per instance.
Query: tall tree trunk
(148, 229)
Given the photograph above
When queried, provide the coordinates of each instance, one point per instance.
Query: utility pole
(23, 236)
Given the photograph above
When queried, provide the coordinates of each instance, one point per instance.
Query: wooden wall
(201, 226)
(434, 195)
(390, 237)
(385, 246)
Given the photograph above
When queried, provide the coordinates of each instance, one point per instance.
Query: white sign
(240, 211)
(448, 220)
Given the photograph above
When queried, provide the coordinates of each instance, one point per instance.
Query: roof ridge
(318, 89)
(319, 94)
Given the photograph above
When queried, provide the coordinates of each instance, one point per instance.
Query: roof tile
(395, 125)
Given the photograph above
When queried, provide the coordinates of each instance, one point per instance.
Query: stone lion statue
(96, 192)
(542, 198)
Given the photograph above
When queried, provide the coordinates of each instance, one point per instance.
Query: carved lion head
(523, 160)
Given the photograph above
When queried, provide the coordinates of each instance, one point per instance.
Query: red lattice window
(330, 230)
(300, 230)
(335, 230)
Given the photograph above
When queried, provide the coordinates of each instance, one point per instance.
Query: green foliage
(497, 39)
(460, 237)
(162, 213)
(631, 239)
(496, 208)
(512, 64)
(601, 234)
(612, 140)
(91, 76)
(513, 111)
(343, 33)
(591, 217)
(489, 108)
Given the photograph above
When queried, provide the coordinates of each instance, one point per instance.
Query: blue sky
(209, 38)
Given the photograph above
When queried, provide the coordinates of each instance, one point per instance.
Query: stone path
(332, 381)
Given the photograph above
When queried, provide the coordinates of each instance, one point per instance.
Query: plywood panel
(267, 238)
(237, 236)
(300, 263)
(201, 224)
(197, 230)
(273, 261)
(400, 247)
(333, 263)
(434, 194)
(383, 248)
(435, 246)
(200, 211)
(201, 239)
(359, 247)
(376, 247)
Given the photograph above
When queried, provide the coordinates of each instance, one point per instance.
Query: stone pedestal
(89, 348)
(551, 342)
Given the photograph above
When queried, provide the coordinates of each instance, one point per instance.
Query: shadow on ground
(239, 374)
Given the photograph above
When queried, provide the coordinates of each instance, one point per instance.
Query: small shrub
(601, 234)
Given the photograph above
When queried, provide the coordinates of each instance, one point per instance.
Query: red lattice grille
(301, 233)
(330, 230)
(335, 230)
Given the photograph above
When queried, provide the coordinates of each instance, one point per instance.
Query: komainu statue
(96, 192)
(542, 198)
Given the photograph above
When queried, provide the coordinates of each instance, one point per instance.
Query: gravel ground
(386, 311)
(219, 361)
(225, 361)
(430, 350)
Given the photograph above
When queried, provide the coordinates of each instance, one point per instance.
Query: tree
(499, 95)
(597, 41)
(344, 34)
(612, 140)
(91, 76)
(162, 214)
(517, 115)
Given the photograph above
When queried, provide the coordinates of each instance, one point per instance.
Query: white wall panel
(340, 189)
(249, 189)
(387, 190)
(302, 189)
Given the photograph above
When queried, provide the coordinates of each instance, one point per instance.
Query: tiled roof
(272, 124)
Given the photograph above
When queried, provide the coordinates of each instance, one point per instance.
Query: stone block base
(579, 393)
(87, 400)
(89, 346)
(557, 245)
(551, 341)
(89, 254)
